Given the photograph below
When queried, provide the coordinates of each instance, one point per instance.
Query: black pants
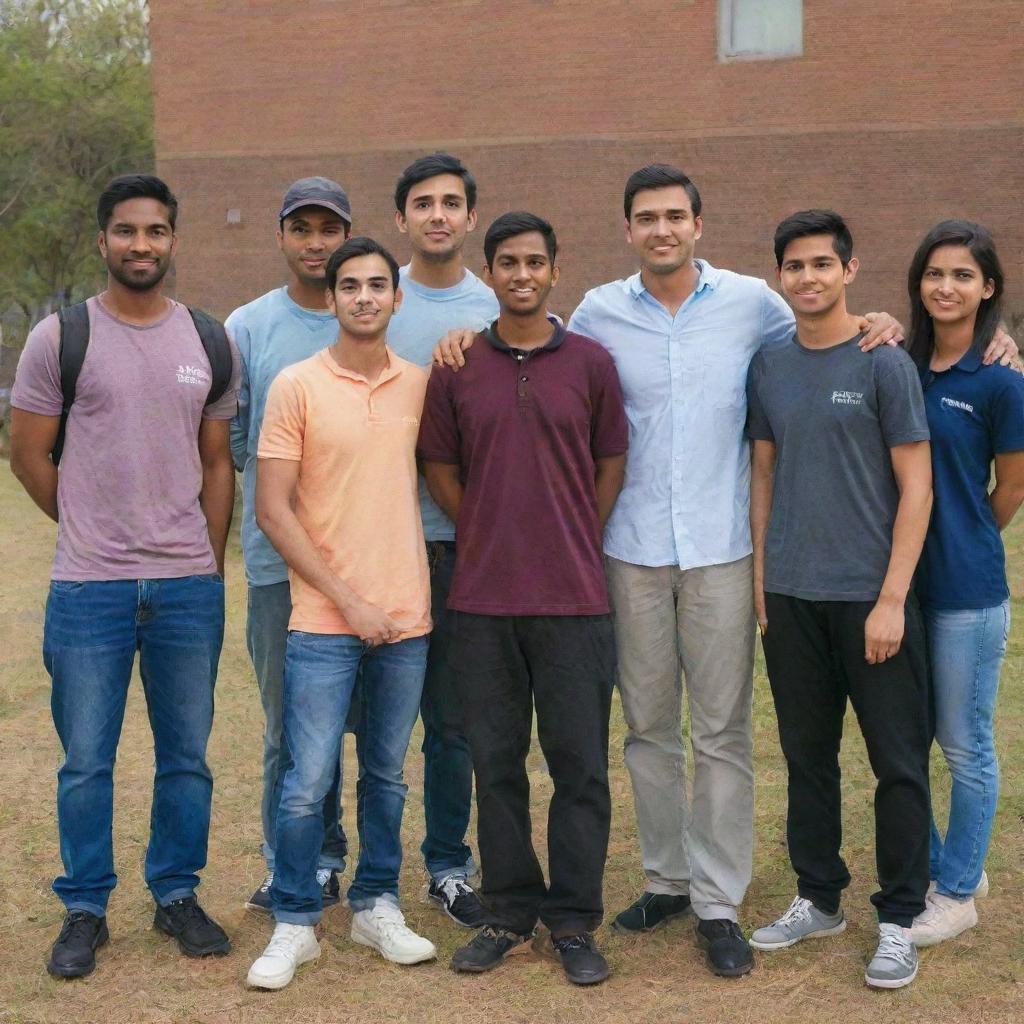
(814, 651)
(503, 667)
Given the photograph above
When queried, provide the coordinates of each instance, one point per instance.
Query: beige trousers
(695, 625)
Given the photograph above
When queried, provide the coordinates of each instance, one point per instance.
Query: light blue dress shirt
(686, 496)
(425, 316)
(271, 332)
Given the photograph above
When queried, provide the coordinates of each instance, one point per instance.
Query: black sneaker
(651, 911)
(488, 948)
(196, 933)
(729, 953)
(581, 959)
(456, 898)
(74, 953)
(260, 899)
(330, 888)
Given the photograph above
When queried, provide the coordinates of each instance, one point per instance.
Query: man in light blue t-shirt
(282, 327)
(435, 201)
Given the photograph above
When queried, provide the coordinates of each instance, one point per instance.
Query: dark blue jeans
(447, 762)
(90, 638)
(320, 673)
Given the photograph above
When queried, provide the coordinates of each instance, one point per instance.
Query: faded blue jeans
(966, 649)
(266, 634)
(320, 673)
(90, 638)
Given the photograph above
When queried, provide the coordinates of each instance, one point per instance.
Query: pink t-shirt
(130, 474)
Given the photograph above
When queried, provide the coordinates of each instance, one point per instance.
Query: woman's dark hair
(358, 246)
(976, 239)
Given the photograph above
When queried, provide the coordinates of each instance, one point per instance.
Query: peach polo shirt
(356, 495)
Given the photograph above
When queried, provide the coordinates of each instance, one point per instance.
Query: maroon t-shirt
(525, 429)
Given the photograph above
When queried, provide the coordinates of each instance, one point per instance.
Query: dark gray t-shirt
(833, 415)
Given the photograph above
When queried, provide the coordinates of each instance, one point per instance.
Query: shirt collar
(491, 334)
(969, 361)
(708, 277)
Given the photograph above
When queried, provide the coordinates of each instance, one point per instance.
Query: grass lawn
(657, 978)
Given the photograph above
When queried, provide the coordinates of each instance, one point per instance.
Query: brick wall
(897, 115)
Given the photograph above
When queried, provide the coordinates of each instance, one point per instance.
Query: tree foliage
(75, 110)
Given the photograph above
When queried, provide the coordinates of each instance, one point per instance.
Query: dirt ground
(657, 978)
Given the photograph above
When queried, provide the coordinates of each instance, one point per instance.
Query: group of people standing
(553, 510)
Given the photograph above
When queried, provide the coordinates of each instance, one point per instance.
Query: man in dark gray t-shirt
(839, 505)
(832, 414)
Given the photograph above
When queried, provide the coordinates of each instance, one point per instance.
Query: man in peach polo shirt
(336, 494)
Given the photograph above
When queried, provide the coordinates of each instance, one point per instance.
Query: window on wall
(760, 29)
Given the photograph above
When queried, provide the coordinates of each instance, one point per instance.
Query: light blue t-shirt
(271, 332)
(686, 496)
(426, 315)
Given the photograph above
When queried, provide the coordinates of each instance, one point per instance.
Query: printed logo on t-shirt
(954, 403)
(847, 397)
(192, 375)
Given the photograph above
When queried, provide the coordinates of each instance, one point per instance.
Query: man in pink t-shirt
(143, 502)
(336, 494)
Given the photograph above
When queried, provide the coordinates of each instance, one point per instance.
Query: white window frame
(728, 50)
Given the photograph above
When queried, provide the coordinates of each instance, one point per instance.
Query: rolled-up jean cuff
(92, 908)
(463, 871)
(175, 894)
(367, 903)
(307, 918)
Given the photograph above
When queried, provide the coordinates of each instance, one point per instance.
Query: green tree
(75, 110)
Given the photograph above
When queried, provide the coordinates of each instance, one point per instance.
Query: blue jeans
(966, 648)
(447, 762)
(320, 674)
(91, 634)
(266, 633)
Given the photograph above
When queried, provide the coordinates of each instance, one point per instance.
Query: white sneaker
(802, 921)
(383, 928)
(979, 893)
(290, 946)
(942, 918)
(895, 961)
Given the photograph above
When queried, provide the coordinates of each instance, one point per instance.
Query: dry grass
(658, 978)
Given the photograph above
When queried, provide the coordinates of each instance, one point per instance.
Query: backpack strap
(74, 340)
(218, 351)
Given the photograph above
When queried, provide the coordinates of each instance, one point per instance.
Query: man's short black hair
(359, 246)
(135, 186)
(815, 222)
(659, 176)
(430, 167)
(508, 225)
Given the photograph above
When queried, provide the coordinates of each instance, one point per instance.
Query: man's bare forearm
(217, 500)
(445, 487)
(914, 480)
(762, 489)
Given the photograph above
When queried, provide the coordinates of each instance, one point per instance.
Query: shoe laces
(285, 939)
(77, 921)
(187, 907)
(569, 942)
(389, 919)
(454, 888)
(489, 931)
(323, 876)
(895, 945)
(799, 911)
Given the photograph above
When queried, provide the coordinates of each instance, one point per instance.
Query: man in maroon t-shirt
(525, 450)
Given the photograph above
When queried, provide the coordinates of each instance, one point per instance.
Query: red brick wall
(897, 115)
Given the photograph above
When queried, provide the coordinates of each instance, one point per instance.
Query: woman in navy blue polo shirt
(976, 417)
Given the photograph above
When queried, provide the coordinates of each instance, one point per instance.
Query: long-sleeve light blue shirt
(686, 496)
(271, 332)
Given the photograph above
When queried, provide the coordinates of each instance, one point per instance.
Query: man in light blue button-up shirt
(682, 333)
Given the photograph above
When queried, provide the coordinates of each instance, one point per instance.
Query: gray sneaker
(803, 920)
(895, 961)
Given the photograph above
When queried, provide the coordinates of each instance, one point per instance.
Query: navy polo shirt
(974, 413)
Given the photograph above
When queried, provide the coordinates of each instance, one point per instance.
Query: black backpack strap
(218, 351)
(74, 340)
